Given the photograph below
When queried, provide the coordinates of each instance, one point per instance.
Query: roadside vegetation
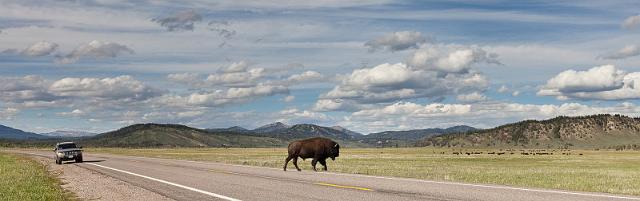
(606, 171)
(24, 179)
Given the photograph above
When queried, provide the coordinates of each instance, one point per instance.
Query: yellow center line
(225, 172)
(318, 183)
(341, 186)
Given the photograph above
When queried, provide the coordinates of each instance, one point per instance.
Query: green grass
(595, 171)
(25, 179)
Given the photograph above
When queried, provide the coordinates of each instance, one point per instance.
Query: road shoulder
(89, 185)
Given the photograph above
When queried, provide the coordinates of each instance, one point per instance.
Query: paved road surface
(190, 180)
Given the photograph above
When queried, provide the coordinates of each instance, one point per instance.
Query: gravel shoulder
(90, 185)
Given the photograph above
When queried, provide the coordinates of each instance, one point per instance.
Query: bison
(317, 148)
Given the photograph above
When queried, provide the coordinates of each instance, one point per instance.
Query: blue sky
(368, 66)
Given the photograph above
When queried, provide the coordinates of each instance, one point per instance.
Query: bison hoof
(299, 170)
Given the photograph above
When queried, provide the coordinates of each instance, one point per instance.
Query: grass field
(25, 179)
(596, 171)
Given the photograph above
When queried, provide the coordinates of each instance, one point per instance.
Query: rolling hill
(169, 135)
(16, 134)
(593, 131)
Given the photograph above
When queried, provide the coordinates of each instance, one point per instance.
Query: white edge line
(169, 183)
(415, 180)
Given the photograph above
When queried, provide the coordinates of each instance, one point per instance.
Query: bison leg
(313, 163)
(323, 162)
(295, 162)
(286, 162)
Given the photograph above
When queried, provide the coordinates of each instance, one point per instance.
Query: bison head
(335, 150)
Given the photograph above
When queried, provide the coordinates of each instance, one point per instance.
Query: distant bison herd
(322, 148)
(317, 148)
(513, 151)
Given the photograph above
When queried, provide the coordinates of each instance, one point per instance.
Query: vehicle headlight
(60, 154)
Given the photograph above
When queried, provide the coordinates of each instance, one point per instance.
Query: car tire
(58, 161)
(79, 160)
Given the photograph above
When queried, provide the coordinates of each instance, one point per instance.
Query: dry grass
(596, 171)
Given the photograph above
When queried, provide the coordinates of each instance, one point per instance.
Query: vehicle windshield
(67, 146)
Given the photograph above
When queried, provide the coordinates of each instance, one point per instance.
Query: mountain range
(283, 131)
(594, 131)
(61, 133)
(274, 134)
(409, 137)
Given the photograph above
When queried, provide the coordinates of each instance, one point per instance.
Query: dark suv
(67, 151)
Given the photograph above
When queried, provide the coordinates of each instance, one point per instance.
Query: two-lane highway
(191, 180)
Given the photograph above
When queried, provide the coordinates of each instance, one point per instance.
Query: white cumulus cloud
(625, 52)
(631, 22)
(598, 83)
(116, 88)
(42, 48)
(471, 97)
(288, 98)
(222, 97)
(601, 78)
(25, 89)
(450, 59)
(393, 82)
(236, 67)
(9, 113)
(324, 105)
(240, 78)
(307, 76)
(503, 89)
(397, 41)
(185, 78)
(94, 49)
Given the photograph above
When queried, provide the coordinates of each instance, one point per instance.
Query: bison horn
(335, 145)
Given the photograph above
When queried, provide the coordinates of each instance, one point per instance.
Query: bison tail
(289, 150)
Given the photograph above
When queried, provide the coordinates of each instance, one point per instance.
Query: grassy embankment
(24, 179)
(595, 171)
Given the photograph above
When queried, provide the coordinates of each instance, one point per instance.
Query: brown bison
(317, 148)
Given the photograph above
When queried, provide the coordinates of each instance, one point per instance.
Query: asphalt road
(191, 180)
